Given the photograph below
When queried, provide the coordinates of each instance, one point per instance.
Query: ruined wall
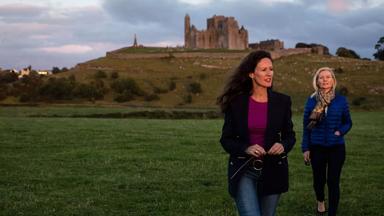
(270, 45)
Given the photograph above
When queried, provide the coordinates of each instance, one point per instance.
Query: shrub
(72, 78)
(124, 96)
(359, 101)
(88, 91)
(24, 97)
(8, 77)
(98, 84)
(57, 89)
(28, 87)
(3, 91)
(339, 70)
(171, 85)
(100, 75)
(114, 75)
(194, 88)
(342, 90)
(127, 86)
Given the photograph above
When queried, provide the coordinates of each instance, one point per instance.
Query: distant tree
(88, 91)
(8, 77)
(344, 52)
(27, 88)
(380, 49)
(127, 85)
(64, 69)
(302, 45)
(57, 89)
(3, 91)
(55, 70)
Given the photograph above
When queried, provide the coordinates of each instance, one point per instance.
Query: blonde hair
(316, 77)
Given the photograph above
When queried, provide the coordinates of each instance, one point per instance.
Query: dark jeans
(327, 163)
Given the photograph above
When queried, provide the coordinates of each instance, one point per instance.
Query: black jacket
(235, 140)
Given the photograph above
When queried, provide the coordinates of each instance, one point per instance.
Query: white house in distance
(27, 71)
(24, 72)
(44, 72)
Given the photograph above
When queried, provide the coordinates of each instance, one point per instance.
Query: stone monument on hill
(221, 32)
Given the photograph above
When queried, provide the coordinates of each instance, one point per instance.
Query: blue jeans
(249, 203)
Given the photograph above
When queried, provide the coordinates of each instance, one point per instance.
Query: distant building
(44, 72)
(316, 48)
(24, 72)
(271, 45)
(222, 32)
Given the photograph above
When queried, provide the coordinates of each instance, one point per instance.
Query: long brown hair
(239, 81)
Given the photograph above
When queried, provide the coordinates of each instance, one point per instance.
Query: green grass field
(90, 166)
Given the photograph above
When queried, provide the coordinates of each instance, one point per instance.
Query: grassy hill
(361, 79)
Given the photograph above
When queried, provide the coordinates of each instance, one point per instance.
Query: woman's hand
(337, 133)
(276, 149)
(307, 157)
(255, 150)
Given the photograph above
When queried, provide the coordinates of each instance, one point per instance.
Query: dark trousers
(327, 163)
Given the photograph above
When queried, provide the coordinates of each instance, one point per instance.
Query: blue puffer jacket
(337, 118)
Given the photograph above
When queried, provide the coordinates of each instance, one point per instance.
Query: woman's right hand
(255, 150)
(307, 157)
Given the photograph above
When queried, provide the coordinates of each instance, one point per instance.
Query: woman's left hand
(276, 149)
(337, 133)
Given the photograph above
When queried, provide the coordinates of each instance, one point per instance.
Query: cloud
(68, 49)
(13, 12)
(69, 33)
(143, 12)
(197, 2)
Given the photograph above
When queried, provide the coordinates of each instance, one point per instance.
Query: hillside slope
(361, 80)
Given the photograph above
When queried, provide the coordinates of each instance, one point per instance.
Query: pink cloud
(338, 6)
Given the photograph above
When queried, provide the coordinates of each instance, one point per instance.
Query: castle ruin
(222, 32)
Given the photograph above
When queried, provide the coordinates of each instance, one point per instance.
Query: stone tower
(222, 32)
(187, 31)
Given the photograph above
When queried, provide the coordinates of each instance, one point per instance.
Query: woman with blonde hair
(326, 121)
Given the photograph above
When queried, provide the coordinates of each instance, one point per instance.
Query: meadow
(103, 166)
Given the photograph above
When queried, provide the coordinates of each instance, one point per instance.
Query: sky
(62, 33)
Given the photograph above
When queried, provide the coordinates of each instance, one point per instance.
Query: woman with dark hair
(326, 121)
(258, 134)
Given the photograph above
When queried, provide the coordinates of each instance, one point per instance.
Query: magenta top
(257, 121)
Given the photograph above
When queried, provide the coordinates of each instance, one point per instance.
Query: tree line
(36, 88)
